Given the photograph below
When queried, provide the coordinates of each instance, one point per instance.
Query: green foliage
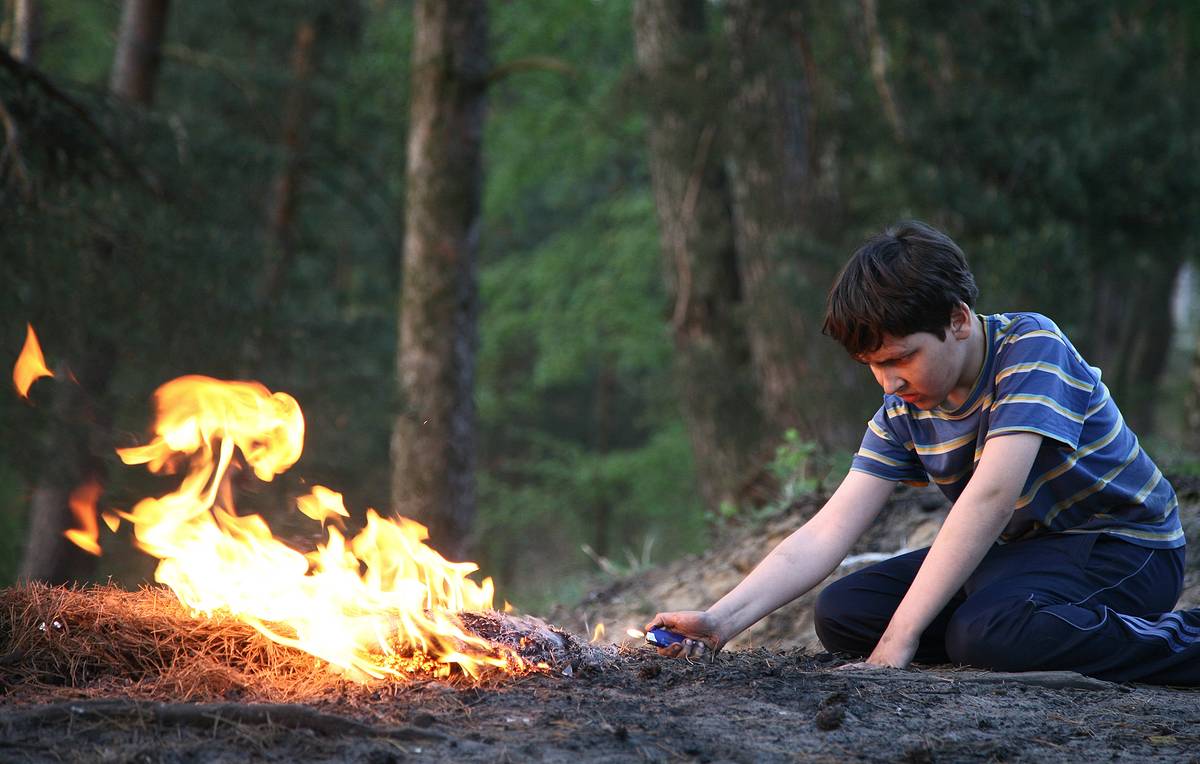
(581, 442)
(799, 468)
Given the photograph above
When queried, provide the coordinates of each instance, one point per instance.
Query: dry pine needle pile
(99, 641)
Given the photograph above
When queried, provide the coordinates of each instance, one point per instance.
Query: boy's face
(923, 370)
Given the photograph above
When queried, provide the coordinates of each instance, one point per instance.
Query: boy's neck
(972, 364)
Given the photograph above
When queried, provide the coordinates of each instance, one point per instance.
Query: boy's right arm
(800, 562)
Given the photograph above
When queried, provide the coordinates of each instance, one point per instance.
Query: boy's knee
(991, 636)
(833, 620)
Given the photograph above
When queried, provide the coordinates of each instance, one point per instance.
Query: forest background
(664, 191)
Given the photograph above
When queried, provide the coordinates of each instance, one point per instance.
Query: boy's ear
(960, 321)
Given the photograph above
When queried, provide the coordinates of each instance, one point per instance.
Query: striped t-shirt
(1090, 475)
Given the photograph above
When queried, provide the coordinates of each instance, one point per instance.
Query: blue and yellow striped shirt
(1090, 476)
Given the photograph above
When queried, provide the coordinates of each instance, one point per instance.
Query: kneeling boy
(1063, 548)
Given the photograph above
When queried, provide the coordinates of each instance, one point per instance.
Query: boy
(1063, 548)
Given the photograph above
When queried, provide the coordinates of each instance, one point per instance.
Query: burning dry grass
(101, 641)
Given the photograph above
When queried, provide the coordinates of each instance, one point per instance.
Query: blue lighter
(663, 638)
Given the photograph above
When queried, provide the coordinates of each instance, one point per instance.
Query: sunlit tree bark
(691, 194)
(433, 440)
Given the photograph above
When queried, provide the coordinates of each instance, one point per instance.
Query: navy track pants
(1080, 602)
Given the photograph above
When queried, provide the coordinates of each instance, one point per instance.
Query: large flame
(378, 604)
(31, 365)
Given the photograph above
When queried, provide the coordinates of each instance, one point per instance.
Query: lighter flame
(635, 633)
(376, 605)
(83, 505)
(31, 365)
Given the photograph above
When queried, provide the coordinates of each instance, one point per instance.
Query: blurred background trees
(666, 188)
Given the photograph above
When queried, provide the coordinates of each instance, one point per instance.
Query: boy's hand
(889, 653)
(701, 632)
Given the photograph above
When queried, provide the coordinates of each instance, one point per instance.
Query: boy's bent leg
(1096, 605)
(852, 613)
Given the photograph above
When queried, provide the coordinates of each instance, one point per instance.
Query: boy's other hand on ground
(703, 634)
(889, 653)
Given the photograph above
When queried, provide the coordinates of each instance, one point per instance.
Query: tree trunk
(692, 201)
(433, 441)
(26, 31)
(79, 435)
(282, 213)
(606, 382)
(285, 194)
(1132, 330)
(771, 178)
(139, 50)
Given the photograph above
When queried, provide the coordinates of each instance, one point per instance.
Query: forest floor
(777, 698)
(749, 706)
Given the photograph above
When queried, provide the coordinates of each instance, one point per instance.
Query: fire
(31, 365)
(597, 633)
(376, 605)
(83, 505)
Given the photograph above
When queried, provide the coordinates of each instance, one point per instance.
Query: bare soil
(749, 706)
(779, 700)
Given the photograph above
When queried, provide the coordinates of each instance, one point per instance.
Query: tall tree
(80, 432)
(771, 167)
(26, 30)
(139, 50)
(433, 440)
(691, 193)
(283, 201)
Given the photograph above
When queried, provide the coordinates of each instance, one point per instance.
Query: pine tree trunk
(692, 200)
(433, 440)
(770, 169)
(139, 50)
(26, 31)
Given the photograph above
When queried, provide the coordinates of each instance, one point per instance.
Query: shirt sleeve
(886, 454)
(1042, 386)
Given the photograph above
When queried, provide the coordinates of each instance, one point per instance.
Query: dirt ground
(750, 706)
(774, 697)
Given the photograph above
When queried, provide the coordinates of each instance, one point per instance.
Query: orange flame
(597, 633)
(31, 365)
(379, 604)
(323, 504)
(83, 505)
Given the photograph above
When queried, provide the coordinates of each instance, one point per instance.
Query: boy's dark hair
(907, 279)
